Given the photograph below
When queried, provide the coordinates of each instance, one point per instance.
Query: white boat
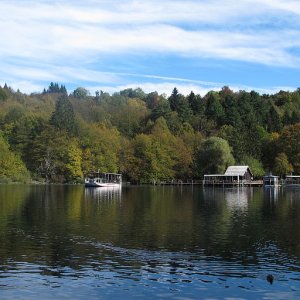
(98, 179)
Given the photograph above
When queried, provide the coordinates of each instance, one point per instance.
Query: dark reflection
(270, 278)
(175, 235)
(272, 193)
(171, 218)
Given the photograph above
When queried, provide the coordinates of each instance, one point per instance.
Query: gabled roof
(237, 171)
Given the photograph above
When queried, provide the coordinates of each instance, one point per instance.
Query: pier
(219, 183)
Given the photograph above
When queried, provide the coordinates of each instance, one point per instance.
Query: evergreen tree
(184, 110)
(161, 109)
(55, 88)
(3, 94)
(274, 121)
(195, 102)
(63, 117)
(174, 99)
(230, 105)
(214, 109)
(63, 89)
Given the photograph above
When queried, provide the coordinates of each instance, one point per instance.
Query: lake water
(68, 242)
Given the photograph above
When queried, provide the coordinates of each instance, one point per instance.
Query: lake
(171, 242)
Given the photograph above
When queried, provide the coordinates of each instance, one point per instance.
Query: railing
(179, 182)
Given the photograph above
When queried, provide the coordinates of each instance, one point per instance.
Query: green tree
(230, 105)
(274, 122)
(130, 117)
(64, 117)
(246, 109)
(11, 166)
(3, 94)
(270, 149)
(195, 102)
(151, 158)
(164, 145)
(213, 157)
(152, 100)
(174, 99)
(289, 143)
(214, 109)
(133, 93)
(55, 88)
(235, 139)
(80, 93)
(184, 110)
(181, 105)
(255, 166)
(282, 166)
(161, 108)
(56, 156)
(101, 146)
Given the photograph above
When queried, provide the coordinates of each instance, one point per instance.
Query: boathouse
(234, 175)
(270, 180)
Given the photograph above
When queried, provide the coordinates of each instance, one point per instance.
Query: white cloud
(148, 11)
(184, 87)
(45, 32)
(116, 82)
(290, 6)
(60, 40)
(88, 42)
(24, 86)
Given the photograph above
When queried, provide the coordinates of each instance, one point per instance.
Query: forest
(56, 137)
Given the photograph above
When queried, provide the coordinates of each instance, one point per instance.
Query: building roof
(270, 176)
(237, 171)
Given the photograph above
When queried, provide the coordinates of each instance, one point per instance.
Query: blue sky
(156, 45)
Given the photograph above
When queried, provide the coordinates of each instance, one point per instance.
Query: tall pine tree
(63, 117)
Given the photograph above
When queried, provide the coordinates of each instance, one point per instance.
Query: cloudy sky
(196, 45)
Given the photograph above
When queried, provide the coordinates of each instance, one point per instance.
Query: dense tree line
(56, 137)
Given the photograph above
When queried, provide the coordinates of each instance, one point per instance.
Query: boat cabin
(98, 179)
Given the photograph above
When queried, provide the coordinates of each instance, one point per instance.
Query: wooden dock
(253, 183)
(181, 182)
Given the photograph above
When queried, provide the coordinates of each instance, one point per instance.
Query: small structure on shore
(234, 175)
(292, 180)
(270, 180)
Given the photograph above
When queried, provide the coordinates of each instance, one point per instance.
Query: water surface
(68, 242)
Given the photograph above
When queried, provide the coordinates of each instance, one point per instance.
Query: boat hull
(101, 184)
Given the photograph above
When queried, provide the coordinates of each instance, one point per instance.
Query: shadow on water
(146, 242)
